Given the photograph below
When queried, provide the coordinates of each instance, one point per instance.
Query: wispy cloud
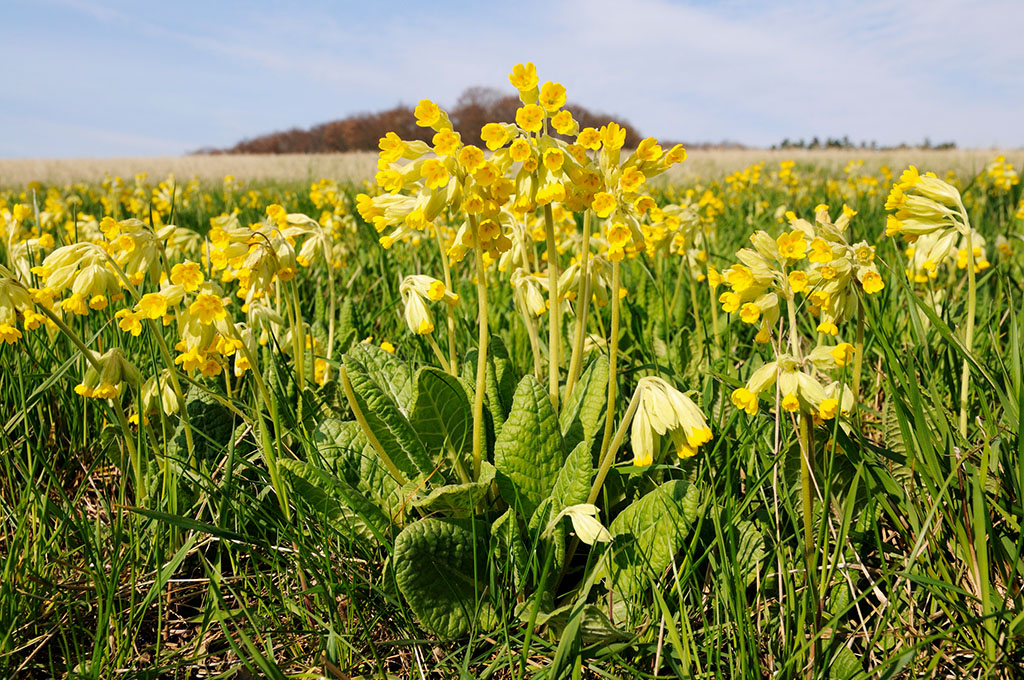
(742, 70)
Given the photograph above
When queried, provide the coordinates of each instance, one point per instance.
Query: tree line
(361, 132)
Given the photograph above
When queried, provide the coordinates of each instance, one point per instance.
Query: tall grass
(917, 529)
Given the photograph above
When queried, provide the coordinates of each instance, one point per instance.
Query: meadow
(549, 409)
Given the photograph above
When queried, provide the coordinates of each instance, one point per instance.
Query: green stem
(613, 358)
(481, 358)
(972, 295)
(582, 308)
(807, 499)
(554, 308)
(453, 366)
(858, 356)
(608, 457)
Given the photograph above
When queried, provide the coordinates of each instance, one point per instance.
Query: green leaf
(441, 569)
(528, 452)
(380, 403)
(499, 383)
(351, 458)
(458, 497)
(387, 372)
(750, 550)
(442, 415)
(508, 548)
(341, 504)
(572, 486)
(647, 534)
(586, 404)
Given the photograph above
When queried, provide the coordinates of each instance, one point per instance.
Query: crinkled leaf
(750, 551)
(441, 569)
(350, 456)
(499, 383)
(508, 548)
(586, 403)
(384, 416)
(340, 503)
(387, 372)
(648, 533)
(442, 415)
(458, 497)
(572, 486)
(528, 451)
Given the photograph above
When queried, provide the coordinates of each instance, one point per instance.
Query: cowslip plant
(930, 214)
(547, 215)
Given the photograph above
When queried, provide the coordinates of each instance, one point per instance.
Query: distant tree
(474, 108)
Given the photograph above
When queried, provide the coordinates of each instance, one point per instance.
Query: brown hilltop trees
(361, 132)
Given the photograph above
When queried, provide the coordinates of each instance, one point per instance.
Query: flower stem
(582, 308)
(608, 457)
(858, 355)
(555, 308)
(972, 296)
(481, 357)
(807, 499)
(613, 358)
(453, 366)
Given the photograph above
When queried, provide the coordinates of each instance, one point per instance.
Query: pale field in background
(360, 166)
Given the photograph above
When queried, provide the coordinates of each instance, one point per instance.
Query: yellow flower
(745, 400)
(648, 150)
(564, 123)
(792, 245)
(739, 277)
(730, 302)
(208, 308)
(821, 251)
(791, 403)
(9, 334)
(829, 408)
(387, 347)
(872, 282)
(495, 135)
(520, 150)
(446, 142)
(842, 353)
(391, 147)
(589, 138)
(828, 328)
(750, 313)
(427, 113)
(613, 136)
(471, 158)
(75, 304)
(188, 275)
(553, 159)
(523, 76)
(552, 96)
(631, 179)
(603, 204)
(435, 173)
(798, 281)
(530, 117)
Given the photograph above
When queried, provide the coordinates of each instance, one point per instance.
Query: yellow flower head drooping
(428, 114)
(665, 410)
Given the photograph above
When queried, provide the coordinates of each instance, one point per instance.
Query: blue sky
(122, 78)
